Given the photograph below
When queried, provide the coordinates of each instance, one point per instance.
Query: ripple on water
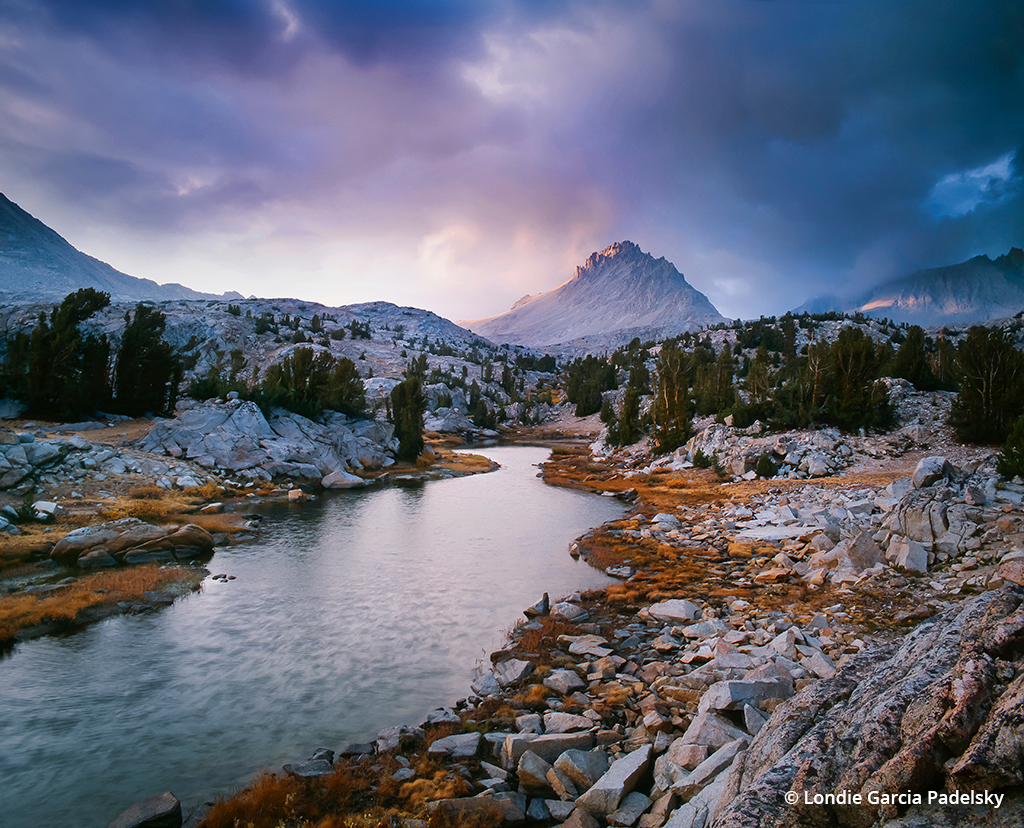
(361, 610)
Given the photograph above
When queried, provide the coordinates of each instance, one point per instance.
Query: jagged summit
(618, 293)
(36, 262)
(977, 290)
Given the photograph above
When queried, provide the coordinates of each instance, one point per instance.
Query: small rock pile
(796, 454)
(62, 462)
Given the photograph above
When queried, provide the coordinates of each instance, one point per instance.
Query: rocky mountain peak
(617, 294)
(619, 252)
(1013, 260)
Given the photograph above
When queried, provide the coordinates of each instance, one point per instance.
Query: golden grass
(354, 795)
(20, 611)
(19, 550)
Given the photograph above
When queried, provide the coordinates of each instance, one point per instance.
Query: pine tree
(407, 409)
(67, 371)
(991, 374)
(672, 412)
(147, 368)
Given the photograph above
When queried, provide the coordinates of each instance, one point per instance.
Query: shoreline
(53, 584)
(730, 585)
(680, 542)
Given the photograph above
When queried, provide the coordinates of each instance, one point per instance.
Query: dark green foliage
(359, 330)
(991, 374)
(60, 371)
(407, 408)
(854, 398)
(315, 324)
(588, 398)
(235, 310)
(418, 368)
(211, 385)
(307, 382)
(147, 371)
(1010, 462)
(766, 466)
(671, 412)
(586, 379)
(701, 460)
(625, 430)
(265, 324)
(912, 361)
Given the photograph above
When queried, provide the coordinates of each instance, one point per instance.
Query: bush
(1010, 462)
(766, 466)
(307, 383)
(701, 460)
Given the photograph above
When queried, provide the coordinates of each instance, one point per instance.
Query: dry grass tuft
(262, 804)
(147, 492)
(208, 491)
(20, 611)
(443, 785)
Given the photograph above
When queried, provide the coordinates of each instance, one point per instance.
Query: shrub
(766, 466)
(701, 460)
(1010, 462)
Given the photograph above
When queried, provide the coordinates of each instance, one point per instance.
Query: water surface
(362, 610)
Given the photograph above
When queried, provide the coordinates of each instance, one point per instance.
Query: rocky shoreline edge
(814, 674)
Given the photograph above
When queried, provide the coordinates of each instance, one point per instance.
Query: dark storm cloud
(816, 130)
(820, 144)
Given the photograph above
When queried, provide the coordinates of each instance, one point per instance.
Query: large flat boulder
(163, 811)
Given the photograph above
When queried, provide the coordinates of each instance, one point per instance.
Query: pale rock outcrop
(929, 712)
(235, 437)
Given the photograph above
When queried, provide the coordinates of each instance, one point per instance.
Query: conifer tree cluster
(62, 372)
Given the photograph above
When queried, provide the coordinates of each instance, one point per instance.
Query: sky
(456, 155)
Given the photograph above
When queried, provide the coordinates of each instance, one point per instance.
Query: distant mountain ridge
(977, 290)
(36, 262)
(618, 293)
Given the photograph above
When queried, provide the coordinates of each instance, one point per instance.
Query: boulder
(163, 811)
(511, 672)
(582, 767)
(735, 695)
(930, 470)
(548, 746)
(604, 796)
(908, 555)
(675, 610)
(691, 784)
(565, 722)
(341, 479)
(564, 681)
(507, 806)
(629, 810)
(532, 772)
(457, 746)
(712, 729)
(401, 737)
(77, 541)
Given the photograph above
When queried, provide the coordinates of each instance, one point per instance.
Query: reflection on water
(362, 610)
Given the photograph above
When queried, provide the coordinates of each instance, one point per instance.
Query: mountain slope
(36, 262)
(977, 290)
(617, 294)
